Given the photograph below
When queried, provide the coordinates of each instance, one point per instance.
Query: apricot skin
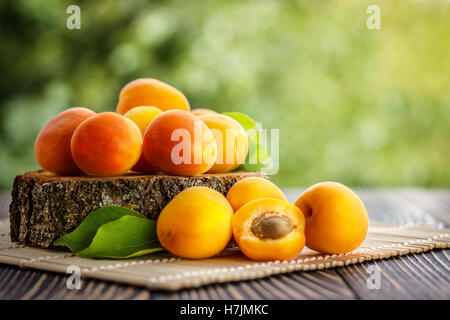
(196, 223)
(160, 144)
(142, 116)
(336, 219)
(151, 92)
(202, 111)
(264, 249)
(52, 146)
(236, 142)
(252, 188)
(106, 144)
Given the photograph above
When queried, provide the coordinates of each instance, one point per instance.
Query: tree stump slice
(46, 206)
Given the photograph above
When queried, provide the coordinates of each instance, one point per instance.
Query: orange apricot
(202, 111)
(231, 140)
(106, 144)
(151, 92)
(142, 116)
(178, 143)
(196, 223)
(269, 229)
(253, 188)
(336, 219)
(52, 146)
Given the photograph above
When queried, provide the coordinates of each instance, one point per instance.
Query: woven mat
(167, 272)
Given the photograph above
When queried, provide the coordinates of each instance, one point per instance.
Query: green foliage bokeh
(359, 106)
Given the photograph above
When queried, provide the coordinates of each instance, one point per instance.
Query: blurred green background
(363, 107)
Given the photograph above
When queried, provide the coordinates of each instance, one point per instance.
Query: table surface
(414, 276)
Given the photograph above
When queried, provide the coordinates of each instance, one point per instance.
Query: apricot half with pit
(269, 229)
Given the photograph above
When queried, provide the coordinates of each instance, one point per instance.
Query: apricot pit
(271, 226)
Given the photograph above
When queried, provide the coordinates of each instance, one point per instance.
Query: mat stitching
(296, 263)
(285, 266)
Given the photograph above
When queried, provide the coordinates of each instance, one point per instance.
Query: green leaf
(259, 159)
(246, 122)
(82, 236)
(126, 237)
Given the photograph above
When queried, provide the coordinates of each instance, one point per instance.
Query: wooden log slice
(45, 206)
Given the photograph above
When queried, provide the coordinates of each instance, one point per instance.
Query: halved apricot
(269, 229)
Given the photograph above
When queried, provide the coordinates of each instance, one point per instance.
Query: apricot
(142, 116)
(52, 146)
(151, 92)
(269, 229)
(202, 111)
(196, 223)
(179, 143)
(106, 144)
(336, 219)
(231, 140)
(252, 188)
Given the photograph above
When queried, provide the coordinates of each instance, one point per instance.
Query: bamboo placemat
(167, 272)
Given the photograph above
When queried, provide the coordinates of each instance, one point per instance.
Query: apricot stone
(253, 188)
(52, 146)
(336, 219)
(151, 92)
(231, 140)
(269, 229)
(106, 144)
(142, 117)
(179, 143)
(196, 223)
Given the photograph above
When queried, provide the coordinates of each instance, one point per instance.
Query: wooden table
(416, 276)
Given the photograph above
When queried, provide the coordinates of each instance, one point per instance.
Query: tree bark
(45, 206)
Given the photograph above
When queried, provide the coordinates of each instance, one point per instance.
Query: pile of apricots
(199, 222)
(142, 136)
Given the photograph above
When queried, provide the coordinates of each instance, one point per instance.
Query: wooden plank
(433, 202)
(19, 283)
(417, 276)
